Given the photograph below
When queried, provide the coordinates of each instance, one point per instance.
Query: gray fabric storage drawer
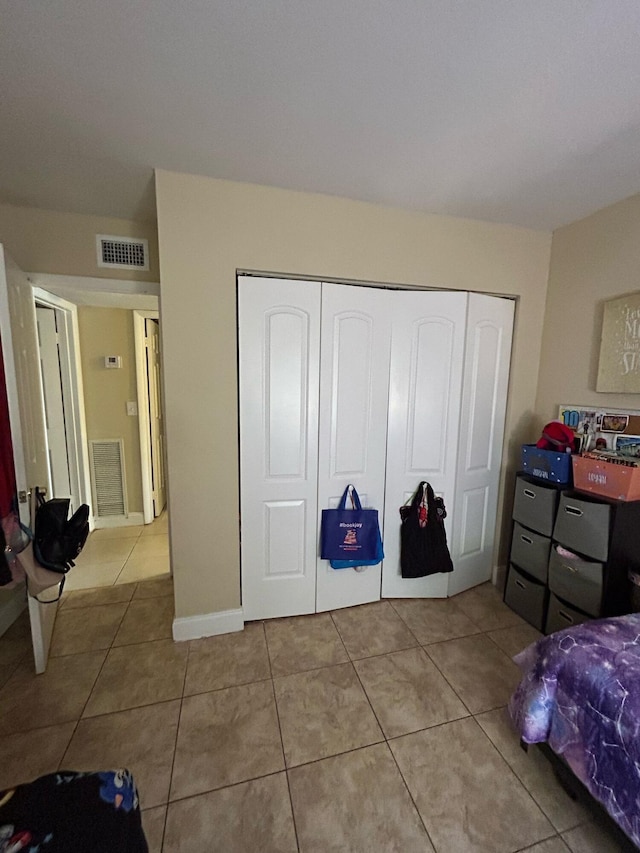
(577, 581)
(535, 505)
(527, 597)
(561, 616)
(583, 525)
(530, 551)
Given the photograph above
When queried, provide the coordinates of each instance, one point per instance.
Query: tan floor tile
(322, 713)
(96, 597)
(372, 629)
(151, 546)
(408, 692)
(153, 821)
(155, 588)
(514, 640)
(86, 629)
(483, 605)
(551, 845)
(227, 660)
(13, 651)
(138, 675)
(106, 551)
(27, 755)
(465, 792)
(20, 629)
(303, 642)
(594, 838)
(6, 671)
(224, 737)
(144, 568)
(90, 576)
(146, 619)
(131, 531)
(141, 739)
(158, 527)
(58, 695)
(356, 802)
(433, 620)
(480, 673)
(534, 771)
(253, 816)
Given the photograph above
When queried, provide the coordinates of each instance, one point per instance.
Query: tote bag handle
(355, 498)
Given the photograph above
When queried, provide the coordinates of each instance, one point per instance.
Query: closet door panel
(424, 401)
(279, 339)
(354, 373)
(484, 399)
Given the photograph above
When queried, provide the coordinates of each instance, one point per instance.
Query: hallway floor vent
(123, 253)
(108, 477)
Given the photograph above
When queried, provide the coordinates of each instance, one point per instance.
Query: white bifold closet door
(424, 412)
(489, 333)
(379, 388)
(279, 351)
(354, 383)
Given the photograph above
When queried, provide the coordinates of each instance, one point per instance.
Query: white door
(354, 370)
(156, 423)
(484, 400)
(53, 403)
(26, 409)
(427, 353)
(279, 345)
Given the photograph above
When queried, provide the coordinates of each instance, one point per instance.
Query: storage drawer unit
(604, 533)
(583, 525)
(577, 581)
(560, 616)
(530, 551)
(527, 597)
(535, 505)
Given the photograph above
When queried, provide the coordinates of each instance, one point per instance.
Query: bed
(580, 694)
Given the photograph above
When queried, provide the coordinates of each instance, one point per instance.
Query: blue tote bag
(350, 537)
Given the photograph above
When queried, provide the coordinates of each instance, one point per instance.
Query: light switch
(132, 408)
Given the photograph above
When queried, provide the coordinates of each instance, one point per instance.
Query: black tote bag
(423, 549)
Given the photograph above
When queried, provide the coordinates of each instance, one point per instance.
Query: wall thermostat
(113, 361)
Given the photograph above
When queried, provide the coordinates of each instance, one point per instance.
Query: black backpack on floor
(58, 539)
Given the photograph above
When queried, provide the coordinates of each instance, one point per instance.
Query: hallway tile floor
(381, 727)
(122, 555)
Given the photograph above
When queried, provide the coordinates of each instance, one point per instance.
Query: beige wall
(592, 260)
(208, 229)
(65, 243)
(109, 331)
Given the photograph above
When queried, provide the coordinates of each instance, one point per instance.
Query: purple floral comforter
(580, 692)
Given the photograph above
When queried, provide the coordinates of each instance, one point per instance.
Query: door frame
(61, 291)
(139, 316)
(72, 391)
(15, 602)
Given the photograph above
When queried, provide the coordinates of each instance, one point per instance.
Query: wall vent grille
(108, 478)
(123, 253)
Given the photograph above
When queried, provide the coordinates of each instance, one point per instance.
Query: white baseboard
(207, 625)
(134, 519)
(12, 603)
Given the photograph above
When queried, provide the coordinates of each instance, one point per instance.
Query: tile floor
(377, 728)
(120, 555)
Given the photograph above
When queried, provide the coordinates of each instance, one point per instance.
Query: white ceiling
(506, 110)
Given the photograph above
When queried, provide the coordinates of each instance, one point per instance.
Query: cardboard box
(620, 482)
(549, 465)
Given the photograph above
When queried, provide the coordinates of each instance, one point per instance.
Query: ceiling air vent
(122, 253)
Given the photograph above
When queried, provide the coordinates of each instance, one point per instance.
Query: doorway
(122, 427)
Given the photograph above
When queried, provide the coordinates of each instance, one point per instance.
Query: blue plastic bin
(547, 464)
